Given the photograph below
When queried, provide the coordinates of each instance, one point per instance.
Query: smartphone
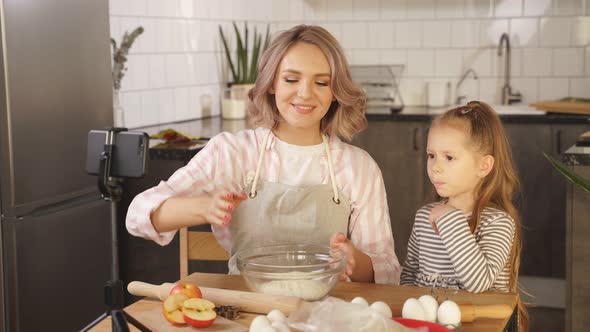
(130, 153)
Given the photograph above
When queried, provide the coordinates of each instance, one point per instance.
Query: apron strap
(259, 166)
(336, 199)
(253, 192)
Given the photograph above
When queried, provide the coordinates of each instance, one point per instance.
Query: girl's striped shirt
(457, 258)
(229, 160)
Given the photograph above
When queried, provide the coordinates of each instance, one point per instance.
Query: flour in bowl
(309, 290)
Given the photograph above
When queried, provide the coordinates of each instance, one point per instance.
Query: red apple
(172, 308)
(198, 312)
(188, 289)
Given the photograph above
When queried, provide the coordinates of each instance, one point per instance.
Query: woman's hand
(437, 212)
(219, 205)
(339, 241)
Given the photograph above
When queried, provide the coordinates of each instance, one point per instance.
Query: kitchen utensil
(470, 312)
(247, 301)
(306, 271)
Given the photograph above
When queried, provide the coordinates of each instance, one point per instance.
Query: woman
(291, 180)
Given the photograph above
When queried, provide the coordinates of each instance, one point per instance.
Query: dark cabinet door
(543, 194)
(398, 148)
(535, 204)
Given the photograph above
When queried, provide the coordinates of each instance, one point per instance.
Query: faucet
(507, 96)
(459, 99)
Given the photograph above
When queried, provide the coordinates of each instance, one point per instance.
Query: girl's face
(302, 87)
(454, 168)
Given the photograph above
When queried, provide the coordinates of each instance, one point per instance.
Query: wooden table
(395, 296)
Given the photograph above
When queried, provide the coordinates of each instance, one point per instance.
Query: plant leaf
(240, 48)
(569, 174)
(266, 39)
(227, 55)
(255, 55)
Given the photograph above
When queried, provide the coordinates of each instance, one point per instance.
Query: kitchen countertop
(393, 295)
(209, 127)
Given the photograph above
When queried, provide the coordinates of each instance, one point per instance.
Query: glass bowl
(306, 271)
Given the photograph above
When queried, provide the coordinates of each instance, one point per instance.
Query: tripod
(112, 191)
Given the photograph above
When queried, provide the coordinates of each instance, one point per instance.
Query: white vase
(234, 101)
(118, 116)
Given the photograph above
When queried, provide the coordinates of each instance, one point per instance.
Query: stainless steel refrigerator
(55, 86)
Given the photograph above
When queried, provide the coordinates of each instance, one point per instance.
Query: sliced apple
(199, 312)
(172, 308)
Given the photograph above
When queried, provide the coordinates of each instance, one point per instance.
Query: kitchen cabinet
(542, 198)
(578, 254)
(399, 148)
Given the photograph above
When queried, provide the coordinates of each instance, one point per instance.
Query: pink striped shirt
(229, 160)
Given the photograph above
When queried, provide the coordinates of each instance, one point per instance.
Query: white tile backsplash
(436, 34)
(381, 35)
(537, 62)
(179, 56)
(524, 32)
(490, 31)
(568, 62)
(450, 9)
(537, 7)
(580, 87)
(553, 88)
(448, 63)
(420, 63)
(393, 9)
(464, 33)
(479, 8)
(408, 34)
(555, 31)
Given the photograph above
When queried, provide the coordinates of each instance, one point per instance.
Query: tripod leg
(94, 322)
(119, 321)
(135, 322)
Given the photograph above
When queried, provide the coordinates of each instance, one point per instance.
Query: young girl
(470, 239)
(292, 180)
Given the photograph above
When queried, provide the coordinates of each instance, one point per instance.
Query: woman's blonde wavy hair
(346, 116)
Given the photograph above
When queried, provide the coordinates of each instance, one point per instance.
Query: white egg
(430, 307)
(449, 313)
(269, 329)
(280, 326)
(276, 315)
(259, 323)
(382, 308)
(413, 309)
(360, 300)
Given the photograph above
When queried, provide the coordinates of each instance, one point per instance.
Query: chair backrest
(201, 246)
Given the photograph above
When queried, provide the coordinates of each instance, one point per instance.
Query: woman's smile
(303, 108)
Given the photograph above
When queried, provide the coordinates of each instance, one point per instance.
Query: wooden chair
(199, 245)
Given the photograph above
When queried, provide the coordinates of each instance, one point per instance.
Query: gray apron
(276, 213)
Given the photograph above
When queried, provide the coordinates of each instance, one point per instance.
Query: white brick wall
(178, 58)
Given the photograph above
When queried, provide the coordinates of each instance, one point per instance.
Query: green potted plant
(243, 67)
(569, 174)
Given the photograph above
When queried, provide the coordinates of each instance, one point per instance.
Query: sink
(518, 109)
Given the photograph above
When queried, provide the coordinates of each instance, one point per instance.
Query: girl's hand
(339, 241)
(219, 205)
(437, 212)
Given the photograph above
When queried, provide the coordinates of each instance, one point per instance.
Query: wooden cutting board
(562, 107)
(150, 314)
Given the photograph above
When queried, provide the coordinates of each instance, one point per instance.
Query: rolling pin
(257, 303)
(469, 312)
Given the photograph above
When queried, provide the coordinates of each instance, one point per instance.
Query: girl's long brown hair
(500, 186)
